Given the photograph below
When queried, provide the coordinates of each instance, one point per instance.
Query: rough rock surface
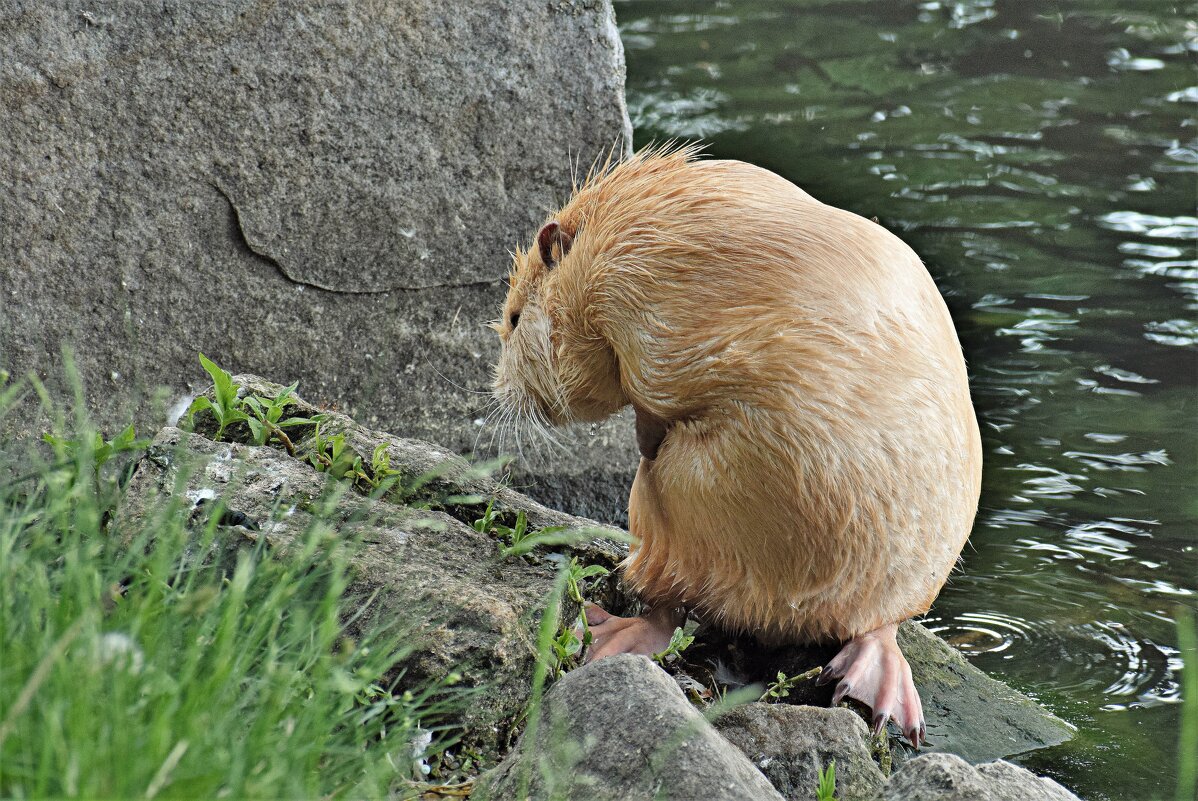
(325, 190)
(956, 695)
(474, 611)
(621, 729)
(471, 610)
(945, 777)
(790, 744)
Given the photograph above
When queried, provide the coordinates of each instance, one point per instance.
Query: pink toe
(596, 615)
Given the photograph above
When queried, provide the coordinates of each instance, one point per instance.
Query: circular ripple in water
(974, 633)
(1099, 656)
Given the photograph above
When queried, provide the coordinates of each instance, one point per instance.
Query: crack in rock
(245, 242)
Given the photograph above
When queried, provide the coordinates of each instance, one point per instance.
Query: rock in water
(945, 777)
(956, 695)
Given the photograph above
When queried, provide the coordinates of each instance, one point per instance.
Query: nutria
(810, 459)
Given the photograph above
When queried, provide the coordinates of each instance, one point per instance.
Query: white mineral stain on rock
(199, 496)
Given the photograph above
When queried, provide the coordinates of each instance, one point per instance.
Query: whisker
(491, 409)
(453, 383)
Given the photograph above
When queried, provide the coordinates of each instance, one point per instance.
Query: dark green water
(1041, 157)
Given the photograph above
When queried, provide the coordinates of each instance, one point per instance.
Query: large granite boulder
(326, 190)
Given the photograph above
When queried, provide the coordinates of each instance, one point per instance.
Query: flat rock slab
(621, 730)
(945, 777)
(969, 713)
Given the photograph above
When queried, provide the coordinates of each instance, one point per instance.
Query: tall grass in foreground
(133, 666)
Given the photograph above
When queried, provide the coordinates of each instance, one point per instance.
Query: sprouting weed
(265, 418)
(262, 415)
(571, 640)
(486, 523)
(679, 642)
(826, 791)
(520, 538)
(576, 573)
(566, 647)
(333, 456)
(524, 542)
(87, 455)
(517, 534)
(784, 684)
(382, 475)
(102, 449)
(224, 402)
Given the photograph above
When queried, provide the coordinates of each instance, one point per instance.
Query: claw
(874, 672)
(825, 676)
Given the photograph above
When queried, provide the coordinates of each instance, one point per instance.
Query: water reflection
(1041, 158)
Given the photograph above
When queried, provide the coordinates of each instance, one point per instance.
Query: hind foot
(873, 670)
(649, 634)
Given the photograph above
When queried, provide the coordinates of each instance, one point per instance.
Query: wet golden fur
(821, 471)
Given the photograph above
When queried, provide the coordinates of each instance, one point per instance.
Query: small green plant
(382, 476)
(101, 449)
(826, 791)
(265, 418)
(223, 404)
(571, 640)
(520, 538)
(781, 688)
(576, 573)
(331, 455)
(486, 523)
(546, 639)
(679, 642)
(566, 647)
(262, 415)
(515, 535)
(86, 455)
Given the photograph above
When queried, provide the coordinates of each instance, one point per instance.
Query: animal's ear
(551, 234)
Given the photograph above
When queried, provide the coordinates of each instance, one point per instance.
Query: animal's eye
(514, 319)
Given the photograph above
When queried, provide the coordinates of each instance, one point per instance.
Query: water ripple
(1136, 462)
(1172, 332)
(1152, 225)
(1101, 655)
